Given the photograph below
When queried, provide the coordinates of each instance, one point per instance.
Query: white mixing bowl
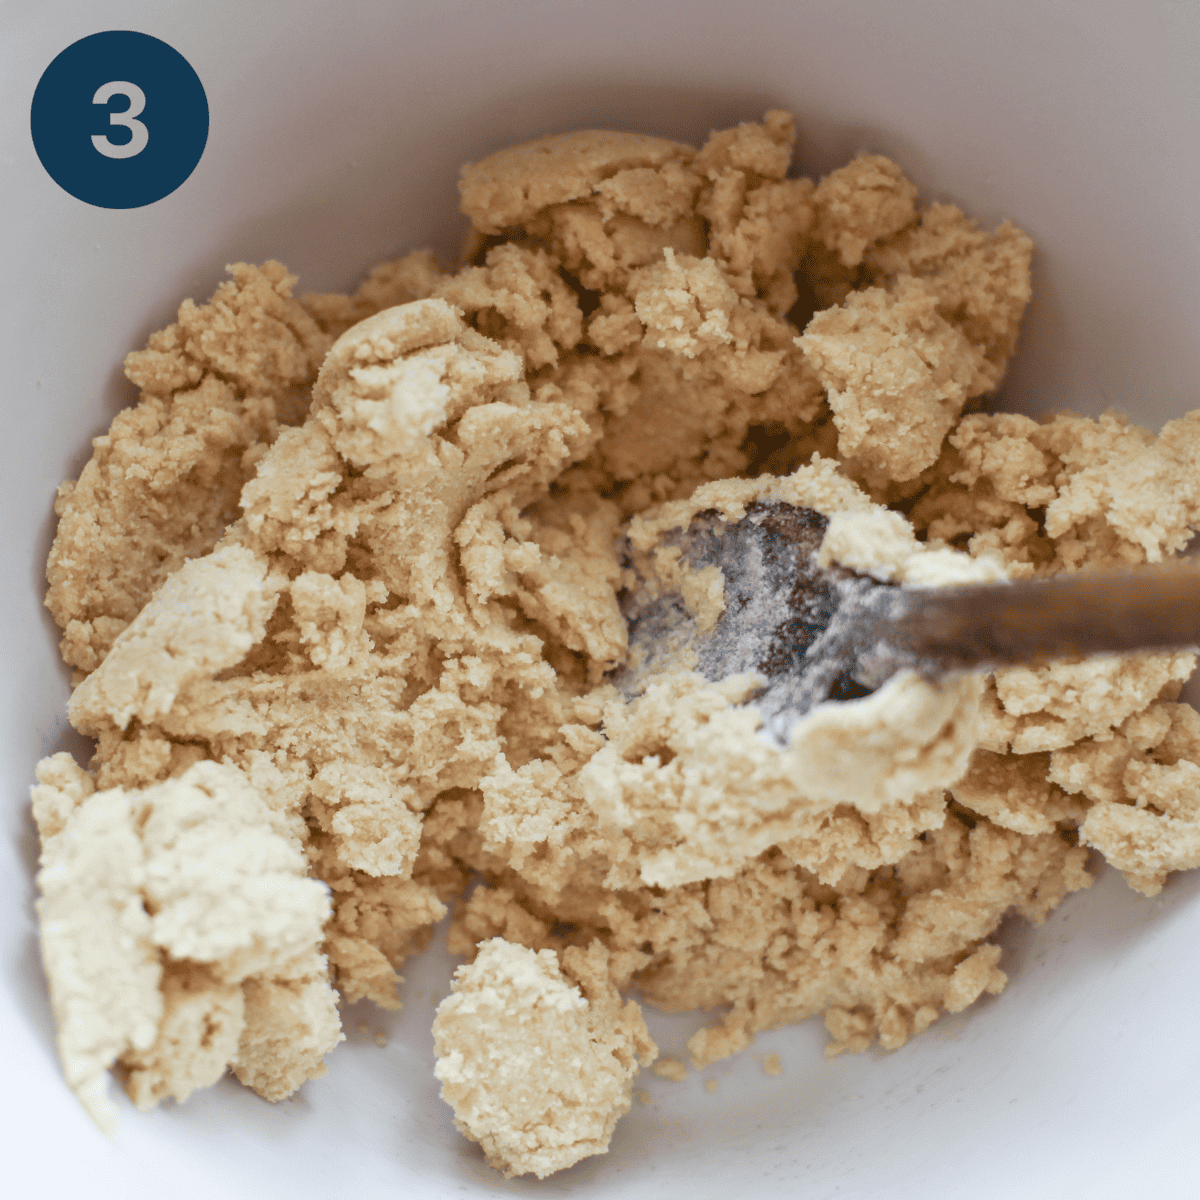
(336, 134)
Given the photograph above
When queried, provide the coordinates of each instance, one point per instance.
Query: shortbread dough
(340, 596)
(537, 1060)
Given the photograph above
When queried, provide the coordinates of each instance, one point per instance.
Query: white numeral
(137, 101)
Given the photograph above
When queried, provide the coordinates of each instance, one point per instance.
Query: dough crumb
(772, 1066)
(669, 1067)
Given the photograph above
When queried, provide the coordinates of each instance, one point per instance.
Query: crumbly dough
(538, 1061)
(181, 935)
(340, 595)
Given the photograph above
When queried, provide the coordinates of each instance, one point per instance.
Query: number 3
(137, 101)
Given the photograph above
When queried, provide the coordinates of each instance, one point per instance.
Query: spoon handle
(1155, 607)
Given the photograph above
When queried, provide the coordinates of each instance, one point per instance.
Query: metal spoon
(834, 634)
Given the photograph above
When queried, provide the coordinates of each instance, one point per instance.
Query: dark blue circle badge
(119, 119)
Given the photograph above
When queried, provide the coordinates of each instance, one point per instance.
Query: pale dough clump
(181, 935)
(537, 1061)
(340, 593)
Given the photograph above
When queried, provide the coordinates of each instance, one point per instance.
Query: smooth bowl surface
(336, 133)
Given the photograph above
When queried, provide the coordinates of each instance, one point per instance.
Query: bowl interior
(335, 139)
